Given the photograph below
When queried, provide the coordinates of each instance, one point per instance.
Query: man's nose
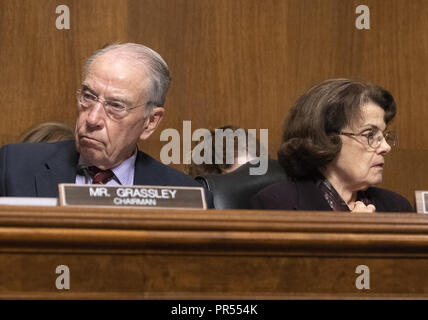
(96, 115)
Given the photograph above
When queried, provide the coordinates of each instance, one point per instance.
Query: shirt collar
(124, 172)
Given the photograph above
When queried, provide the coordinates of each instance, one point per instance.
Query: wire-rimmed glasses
(375, 137)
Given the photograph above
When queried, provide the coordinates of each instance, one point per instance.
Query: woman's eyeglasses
(375, 137)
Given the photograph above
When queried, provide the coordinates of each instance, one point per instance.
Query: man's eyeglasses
(375, 137)
(113, 109)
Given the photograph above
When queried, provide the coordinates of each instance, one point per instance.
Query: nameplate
(96, 195)
(29, 201)
(421, 201)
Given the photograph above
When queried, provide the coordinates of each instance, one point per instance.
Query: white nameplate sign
(421, 201)
(29, 201)
(96, 195)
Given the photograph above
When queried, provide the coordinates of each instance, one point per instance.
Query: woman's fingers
(361, 207)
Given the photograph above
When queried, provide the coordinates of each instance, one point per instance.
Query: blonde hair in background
(48, 132)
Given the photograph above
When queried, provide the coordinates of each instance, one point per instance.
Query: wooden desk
(156, 254)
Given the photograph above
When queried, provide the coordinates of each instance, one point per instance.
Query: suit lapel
(310, 197)
(58, 169)
(146, 172)
(140, 165)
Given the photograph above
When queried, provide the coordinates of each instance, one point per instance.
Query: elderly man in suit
(121, 101)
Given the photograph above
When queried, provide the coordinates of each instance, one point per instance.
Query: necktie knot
(100, 176)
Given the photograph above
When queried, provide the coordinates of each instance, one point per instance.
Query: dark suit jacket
(36, 169)
(305, 195)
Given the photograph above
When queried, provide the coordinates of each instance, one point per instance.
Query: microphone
(83, 171)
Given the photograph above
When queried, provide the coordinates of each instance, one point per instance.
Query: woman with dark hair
(333, 149)
(241, 152)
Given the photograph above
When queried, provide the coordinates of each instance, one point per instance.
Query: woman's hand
(359, 206)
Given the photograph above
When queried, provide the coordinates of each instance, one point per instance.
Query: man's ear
(152, 122)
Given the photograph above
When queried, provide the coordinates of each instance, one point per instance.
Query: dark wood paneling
(156, 254)
(41, 65)
(239, 62)
(405, 172)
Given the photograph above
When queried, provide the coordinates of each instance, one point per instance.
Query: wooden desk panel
(157, 254)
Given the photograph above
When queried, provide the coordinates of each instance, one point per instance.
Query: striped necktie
(100, 176)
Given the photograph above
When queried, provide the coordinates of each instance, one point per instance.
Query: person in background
(241, 154)
(333, 149)
(120, 102)
(48, 132)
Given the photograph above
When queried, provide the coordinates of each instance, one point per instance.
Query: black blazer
(36, 169)
(305, 195)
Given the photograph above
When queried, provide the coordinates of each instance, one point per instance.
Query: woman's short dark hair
(203, 169)
(311, 130)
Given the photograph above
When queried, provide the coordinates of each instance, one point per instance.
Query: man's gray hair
(152, 63)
